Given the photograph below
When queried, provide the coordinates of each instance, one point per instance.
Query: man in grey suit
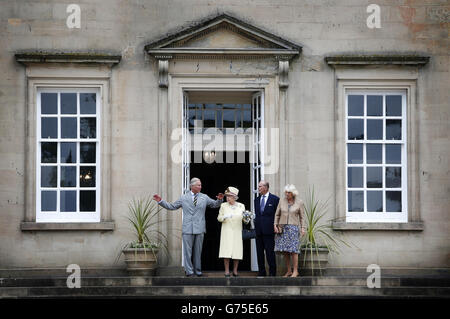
(194, 205)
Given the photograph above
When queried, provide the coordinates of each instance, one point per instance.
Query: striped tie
(195, 199)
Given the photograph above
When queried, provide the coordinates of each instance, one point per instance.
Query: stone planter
(309, 265)
(140, 261)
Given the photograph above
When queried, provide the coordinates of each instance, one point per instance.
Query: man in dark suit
(265, 207)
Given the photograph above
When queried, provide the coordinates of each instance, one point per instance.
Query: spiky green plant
(143, 217)
(318, 234)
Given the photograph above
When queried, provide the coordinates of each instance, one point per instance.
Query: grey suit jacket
(193, 216)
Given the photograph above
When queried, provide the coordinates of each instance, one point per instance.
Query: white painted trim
(377, 216)
(65, 217)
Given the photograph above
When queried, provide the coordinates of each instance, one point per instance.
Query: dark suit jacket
(264, 222)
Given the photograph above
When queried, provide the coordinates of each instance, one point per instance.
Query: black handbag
(248, 234)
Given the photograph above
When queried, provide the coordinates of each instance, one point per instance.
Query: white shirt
(265, 197)
(192, 194)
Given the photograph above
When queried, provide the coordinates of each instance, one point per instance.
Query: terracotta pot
(140, 261)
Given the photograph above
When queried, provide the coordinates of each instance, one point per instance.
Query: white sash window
(376, 172)
(68, 155)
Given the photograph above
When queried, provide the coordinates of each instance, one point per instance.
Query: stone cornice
(67, 57)
(369, 59)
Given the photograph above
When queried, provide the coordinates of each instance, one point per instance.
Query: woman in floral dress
(289, 223)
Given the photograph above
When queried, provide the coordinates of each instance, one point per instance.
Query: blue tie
(263, 204)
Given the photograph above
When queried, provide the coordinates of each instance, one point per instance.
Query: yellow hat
(233, 191)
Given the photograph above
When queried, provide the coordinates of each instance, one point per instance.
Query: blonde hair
(290, 188)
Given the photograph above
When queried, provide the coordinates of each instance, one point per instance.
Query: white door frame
(256, 146)
(178, 84)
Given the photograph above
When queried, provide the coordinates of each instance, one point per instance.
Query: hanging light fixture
(209, 156)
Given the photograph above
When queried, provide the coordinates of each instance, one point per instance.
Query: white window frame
(365, 216)
(58, 216)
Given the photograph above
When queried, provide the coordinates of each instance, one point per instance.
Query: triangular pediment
(223, 35)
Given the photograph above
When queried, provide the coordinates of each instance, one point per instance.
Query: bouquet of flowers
(248, 216)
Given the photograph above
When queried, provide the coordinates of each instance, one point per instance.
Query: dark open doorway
(216, 177)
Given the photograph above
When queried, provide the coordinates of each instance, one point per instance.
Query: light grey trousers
(192, 253)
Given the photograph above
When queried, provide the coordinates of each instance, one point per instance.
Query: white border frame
(41, 76)
(385, 78)
(172, 174)
(62, 217)
(384, 216)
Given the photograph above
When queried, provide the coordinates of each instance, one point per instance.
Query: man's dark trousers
(265, 236)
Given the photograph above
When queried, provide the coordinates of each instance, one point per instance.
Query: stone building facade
(360, 113)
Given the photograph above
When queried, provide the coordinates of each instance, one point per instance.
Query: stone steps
(223, 292)
(222, 281)
(221, 287)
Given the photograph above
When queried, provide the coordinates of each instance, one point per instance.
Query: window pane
(374, 105)
(355, 105)
(68, 201)
(374, 153)
(88, 127)
(247, 118)
(87, 153)
(48, 152)
(393, 177)
(48, 176)
(219, 118)
(68, 127)
(393, 154)
(393, 201)
(374, 129)
(49, 127)
(374, 201)
(209, 118)
(68, 176)
(49, 103)
(87, 176)
(393, 105)
(355, 153)
(355, 129)
(68, 152)
(228, 118)
(258, 106)
(199, 113)
(393, 129)
(355, 201)
(191, 117)
(87, 103)
(87, 201)
(48, 201)
(238, 118)
(68, 103)
(374, 177)
(355, 177)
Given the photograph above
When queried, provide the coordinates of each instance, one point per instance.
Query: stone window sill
(411, 226)
(101, 226)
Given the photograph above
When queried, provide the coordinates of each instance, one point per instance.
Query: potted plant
(319, 239)
(141, 254)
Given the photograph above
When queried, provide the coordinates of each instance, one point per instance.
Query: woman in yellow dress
(230, 215)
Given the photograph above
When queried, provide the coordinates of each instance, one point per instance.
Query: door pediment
(223, 36)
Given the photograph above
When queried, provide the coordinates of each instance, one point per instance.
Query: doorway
(216, 177)
(222, 145)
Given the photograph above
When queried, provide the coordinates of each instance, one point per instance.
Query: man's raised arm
(167, 205)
